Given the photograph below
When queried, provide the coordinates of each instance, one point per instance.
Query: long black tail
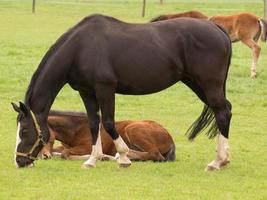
(203, 121)
(207, 116)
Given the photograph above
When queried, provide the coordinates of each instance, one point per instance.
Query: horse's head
(31, 136)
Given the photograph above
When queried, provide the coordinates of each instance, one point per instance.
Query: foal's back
(239, 26)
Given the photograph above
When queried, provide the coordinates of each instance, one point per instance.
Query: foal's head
(30, 138)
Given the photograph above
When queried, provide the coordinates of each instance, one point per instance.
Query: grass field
(25, 37)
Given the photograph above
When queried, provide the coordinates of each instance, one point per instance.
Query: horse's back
(115, 52)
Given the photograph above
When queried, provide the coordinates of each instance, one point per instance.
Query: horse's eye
(23, 131)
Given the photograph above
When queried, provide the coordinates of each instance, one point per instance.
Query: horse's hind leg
(106, 98)
(222, 111)
(255, 54)
(92, 109)
(214, 97)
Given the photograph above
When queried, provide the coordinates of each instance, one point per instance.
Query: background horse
(192, 14)
(147, 140)
(245, 27)
(101, 56)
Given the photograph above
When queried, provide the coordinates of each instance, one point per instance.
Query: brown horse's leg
(148, 150)
(77, 150)
(46, 152)
(255, 54)
(153, 154)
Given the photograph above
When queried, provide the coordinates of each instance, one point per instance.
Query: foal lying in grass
(146, 139)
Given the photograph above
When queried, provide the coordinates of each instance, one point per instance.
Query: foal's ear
(15, 107)
(23, 109)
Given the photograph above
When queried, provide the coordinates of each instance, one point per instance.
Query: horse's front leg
(92, 109)
(106, 99)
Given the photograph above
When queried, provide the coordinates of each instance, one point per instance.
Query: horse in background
(245, 27)
(146, 139)
(191, 14)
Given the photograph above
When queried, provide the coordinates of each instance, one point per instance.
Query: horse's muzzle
(23, 162)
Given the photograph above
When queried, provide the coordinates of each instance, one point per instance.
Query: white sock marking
(96, 151)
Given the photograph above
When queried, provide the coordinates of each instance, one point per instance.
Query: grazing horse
(245, 27)
(101, 56)
(192, 14)
(147, 140)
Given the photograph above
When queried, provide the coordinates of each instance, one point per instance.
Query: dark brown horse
(101, 56)
(146, 139)
(245, 27)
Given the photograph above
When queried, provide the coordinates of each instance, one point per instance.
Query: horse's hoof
(87, 166)
(215, 165)
(124, 165)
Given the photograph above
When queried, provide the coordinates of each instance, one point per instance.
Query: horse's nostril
(23, 162)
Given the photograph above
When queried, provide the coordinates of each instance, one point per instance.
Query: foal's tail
(170, 155)
(263, 25)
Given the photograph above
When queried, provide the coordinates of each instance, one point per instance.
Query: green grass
(25, 37)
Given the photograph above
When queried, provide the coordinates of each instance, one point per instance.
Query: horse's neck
(44, 88)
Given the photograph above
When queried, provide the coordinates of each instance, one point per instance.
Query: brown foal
(147, 140)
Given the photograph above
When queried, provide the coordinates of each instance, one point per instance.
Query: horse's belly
(146, 84)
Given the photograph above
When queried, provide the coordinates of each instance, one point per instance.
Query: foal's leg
(147, 149)
(153, 154)
(255, 54)
(222, 111)
(106, 99)
(92, 109)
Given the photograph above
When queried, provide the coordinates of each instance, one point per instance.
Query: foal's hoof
(124, 165)
(253, 75)
(46, 156)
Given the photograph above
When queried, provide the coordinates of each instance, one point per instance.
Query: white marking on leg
(122, 150)
(96, 153)
(222, 154)
(120, 145)
(18, 140)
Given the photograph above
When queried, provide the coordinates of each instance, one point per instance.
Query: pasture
(25, 37)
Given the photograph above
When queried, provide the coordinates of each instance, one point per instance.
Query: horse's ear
(15, 107)
(23, 109)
